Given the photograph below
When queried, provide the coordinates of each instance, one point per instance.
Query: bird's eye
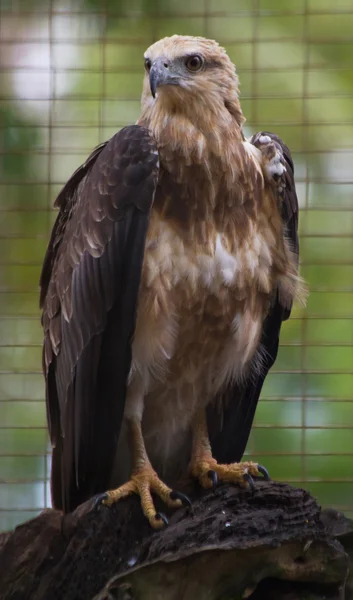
(194, 63)
(148, 64)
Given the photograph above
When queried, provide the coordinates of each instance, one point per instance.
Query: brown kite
(171, 265)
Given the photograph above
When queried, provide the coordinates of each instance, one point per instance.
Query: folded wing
(89, 288)
(231, 428)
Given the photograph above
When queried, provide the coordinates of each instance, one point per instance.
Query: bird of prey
(171, 265)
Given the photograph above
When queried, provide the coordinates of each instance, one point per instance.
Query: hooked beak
(161, 74)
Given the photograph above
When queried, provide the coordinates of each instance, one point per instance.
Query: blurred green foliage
(70, 81)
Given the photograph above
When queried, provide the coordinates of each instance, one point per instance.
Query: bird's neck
(193, 135)
(201, 168)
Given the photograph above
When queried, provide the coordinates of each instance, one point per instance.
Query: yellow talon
(143, 483)
(232, 473)
(207, 470)
(144, 480)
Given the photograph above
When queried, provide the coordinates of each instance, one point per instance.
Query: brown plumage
(170, 268)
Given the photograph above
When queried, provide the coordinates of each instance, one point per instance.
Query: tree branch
(273, 543)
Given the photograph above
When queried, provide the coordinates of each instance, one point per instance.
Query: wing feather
(230, 428)
(89, 288)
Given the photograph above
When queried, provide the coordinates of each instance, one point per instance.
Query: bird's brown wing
(89, 287)
(230, 437)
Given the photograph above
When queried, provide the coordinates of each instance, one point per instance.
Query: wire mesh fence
(70, 77)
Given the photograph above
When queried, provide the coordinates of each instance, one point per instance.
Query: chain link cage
(70, 77)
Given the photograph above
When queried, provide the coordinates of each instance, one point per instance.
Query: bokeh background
(70, 77)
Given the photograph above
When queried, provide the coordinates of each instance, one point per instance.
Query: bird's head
(188, 75)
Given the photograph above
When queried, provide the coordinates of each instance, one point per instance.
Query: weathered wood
(273, 543)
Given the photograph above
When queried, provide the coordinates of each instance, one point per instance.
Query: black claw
(179, 496)
(213, 476)
(161, 517)
(98, 501)
(250, 481)
(264, 472)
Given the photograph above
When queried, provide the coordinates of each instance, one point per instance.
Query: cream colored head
(190, 74)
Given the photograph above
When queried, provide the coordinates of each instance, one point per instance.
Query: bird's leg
(145, 480)
(207, 470)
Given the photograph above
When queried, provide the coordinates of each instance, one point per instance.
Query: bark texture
(270, 543)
